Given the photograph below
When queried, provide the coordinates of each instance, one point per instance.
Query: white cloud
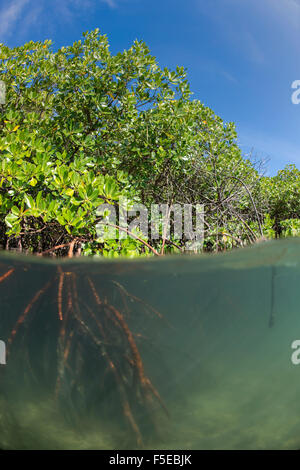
(252, 47)
(231, 22)
(228, 76)
(287, 12)
(14, 13)
(110, 3)
(234, 19)
(9, 15)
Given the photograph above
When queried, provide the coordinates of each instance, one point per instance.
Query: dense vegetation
(81, 127)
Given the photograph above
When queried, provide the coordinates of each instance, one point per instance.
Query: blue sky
(241, 55)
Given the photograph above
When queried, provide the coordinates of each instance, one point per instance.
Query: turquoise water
(190, 352)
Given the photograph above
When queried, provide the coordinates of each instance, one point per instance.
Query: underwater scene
(184, 352)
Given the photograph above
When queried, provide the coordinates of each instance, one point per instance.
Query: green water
(217, 349)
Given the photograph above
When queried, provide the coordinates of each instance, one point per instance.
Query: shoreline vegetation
(81, 127)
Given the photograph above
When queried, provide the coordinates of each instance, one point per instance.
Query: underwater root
(6, 275)
(102, 325)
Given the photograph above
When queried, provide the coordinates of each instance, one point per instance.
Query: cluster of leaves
(61, 128)
(281, 199)
(82, 127)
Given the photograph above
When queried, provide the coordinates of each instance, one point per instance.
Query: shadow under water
(174, 353)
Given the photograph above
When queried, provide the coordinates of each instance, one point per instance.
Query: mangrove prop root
(144, 381)
(133, 298)
(7, 274)
(105, 328)
(22, 317)
(61, 353)
(60, 290)
(122, 392)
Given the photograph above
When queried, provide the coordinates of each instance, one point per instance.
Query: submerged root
(59, 294)
(105, 329)
(7, 274)
(24, 315)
